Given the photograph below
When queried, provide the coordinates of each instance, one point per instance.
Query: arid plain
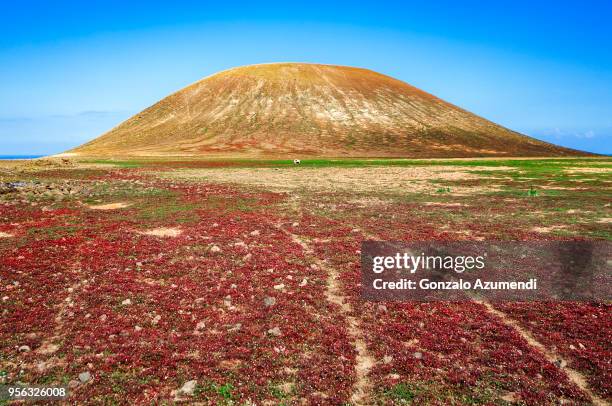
(235, 282)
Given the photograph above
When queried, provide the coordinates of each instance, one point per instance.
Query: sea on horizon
(5, 157)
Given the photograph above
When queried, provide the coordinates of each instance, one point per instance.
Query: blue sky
(71, 70)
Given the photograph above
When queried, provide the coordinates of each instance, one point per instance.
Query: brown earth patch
(163, 232)
(110, 206)
(359, 180)
(444, 204)
(548, 229)
(588, 170)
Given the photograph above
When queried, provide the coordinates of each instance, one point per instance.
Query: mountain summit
(290, 109)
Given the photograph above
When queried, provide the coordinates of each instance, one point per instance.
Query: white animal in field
(296, 162)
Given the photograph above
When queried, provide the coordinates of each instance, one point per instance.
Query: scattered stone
(295, 224)
(276, 332)
(187, 389)
(387, 359)
(138, 328)
(304, 282)
(47, 349)
(279, 286)
(85, 376)
(215, 248)
(511, 397)
(572, 347)
(418, 355)
(24, 348)
(200, 326)
(269, 301)
(234, 327)
(126, 302)
(255, 233)
(560, 363)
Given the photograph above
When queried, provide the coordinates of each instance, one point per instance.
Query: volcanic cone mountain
(297, 109)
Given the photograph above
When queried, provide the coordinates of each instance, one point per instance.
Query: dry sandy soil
(362, 180)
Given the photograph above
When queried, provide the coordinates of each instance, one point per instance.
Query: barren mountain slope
(310, 110)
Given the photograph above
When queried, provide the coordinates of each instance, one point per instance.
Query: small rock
(138, 328)
(126, 302)
(255, 233)
(269, 301)
(156, 320)
(215, 248)
(188, 388)
(215, 225)
(387, 359)
(582, 347)
(73, 384)
(418, 355)
(572, 347)
(234, 327)
(295, 224)
(304, 282)
(227, 301)
(47, 349)
(24, 348)
(276, 332)
(279, 286)
(200, 325)
(85, 376)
